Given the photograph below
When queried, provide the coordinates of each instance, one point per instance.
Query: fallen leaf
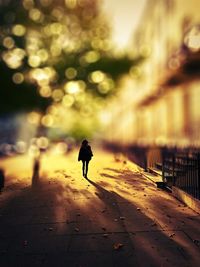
(76, 229)
(118, 246)
(172, 235)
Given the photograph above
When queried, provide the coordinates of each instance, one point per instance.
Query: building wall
(157, 114)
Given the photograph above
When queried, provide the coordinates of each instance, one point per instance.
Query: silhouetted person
(2, 179)
(85, 154)
(36, 169)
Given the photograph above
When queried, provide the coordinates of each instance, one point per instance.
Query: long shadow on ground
(65, 221)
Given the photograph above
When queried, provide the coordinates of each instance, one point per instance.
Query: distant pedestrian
(85, 155)
(2, 179)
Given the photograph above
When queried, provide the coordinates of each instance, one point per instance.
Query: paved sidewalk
(55, 217)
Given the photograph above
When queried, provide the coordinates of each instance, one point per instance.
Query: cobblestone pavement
(52, 216)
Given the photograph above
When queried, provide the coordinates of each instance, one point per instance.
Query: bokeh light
(45, 91)
(21, 147)
(18, 77)
(68, 100)
(61, 59)
(47, 120)
(192, 39)
(34, 118)
(19, 30)
(35, 14)
(71, 73)
(14, 58)
(8, 42)
(42, 142)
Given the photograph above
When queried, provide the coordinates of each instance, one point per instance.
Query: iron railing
(181, 168)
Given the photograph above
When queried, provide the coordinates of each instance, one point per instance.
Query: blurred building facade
(159, 109)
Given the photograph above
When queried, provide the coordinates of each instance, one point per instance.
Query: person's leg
(86, 168)
(83, 167)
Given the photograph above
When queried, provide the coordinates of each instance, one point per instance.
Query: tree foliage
(56, 57)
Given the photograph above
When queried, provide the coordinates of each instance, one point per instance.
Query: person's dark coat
(85, 153)
(2, 179)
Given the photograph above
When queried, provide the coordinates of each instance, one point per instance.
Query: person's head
(85, 142)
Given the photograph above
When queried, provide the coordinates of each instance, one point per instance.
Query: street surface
(51, 216)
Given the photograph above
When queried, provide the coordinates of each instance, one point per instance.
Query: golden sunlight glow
(81, 197)
(18, 77)
(19, 30)
(8, 42)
